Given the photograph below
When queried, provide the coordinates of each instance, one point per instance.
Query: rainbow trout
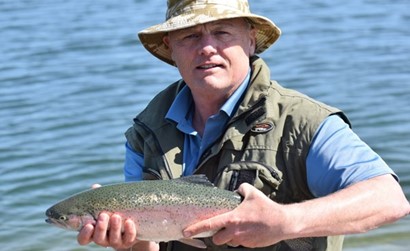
(160, 209)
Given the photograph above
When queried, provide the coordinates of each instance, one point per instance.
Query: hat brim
(152, 37)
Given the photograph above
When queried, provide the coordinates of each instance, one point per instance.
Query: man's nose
(207, 45)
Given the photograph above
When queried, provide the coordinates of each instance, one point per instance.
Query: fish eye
(62, 218)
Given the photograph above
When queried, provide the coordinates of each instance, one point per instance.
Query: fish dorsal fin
(199, 179)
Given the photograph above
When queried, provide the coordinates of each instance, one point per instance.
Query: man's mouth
(208, 66)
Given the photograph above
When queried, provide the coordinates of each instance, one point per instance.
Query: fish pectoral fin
(193, 242)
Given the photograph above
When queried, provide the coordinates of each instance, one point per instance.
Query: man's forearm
(358, 208)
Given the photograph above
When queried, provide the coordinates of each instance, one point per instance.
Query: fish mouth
(56, 223)
(53, 222)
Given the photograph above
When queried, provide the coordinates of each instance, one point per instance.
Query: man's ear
(253, 41)
(165, 39)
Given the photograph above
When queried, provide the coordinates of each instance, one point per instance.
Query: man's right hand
(107, 232)
(111, 231)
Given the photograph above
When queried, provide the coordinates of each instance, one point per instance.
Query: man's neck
(203, 110)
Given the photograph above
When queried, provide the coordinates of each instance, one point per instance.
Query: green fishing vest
(265, 144)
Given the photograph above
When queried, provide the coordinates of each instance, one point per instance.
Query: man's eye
(221, 32)
(191, 36)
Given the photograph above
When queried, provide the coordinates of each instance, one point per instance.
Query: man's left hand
(256, 222)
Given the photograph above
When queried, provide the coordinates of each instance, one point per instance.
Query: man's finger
(130, 233)
(94, 186)
(86, 234)
(245, 189)
(115, 235)
(101, 228)
(212, 224)
(223, 236)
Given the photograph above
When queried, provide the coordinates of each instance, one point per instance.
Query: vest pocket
(263, 177)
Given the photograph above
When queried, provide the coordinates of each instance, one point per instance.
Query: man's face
(213, 57)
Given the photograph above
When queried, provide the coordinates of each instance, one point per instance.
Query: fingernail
(102, 217)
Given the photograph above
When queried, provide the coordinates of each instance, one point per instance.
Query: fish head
(70, 221)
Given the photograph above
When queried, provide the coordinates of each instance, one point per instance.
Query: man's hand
(111, 231)
(256, 222)
(107, 232)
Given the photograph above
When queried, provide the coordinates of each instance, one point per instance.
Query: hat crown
(178, 7)
(182, 14)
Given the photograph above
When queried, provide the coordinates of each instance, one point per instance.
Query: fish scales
(160, 209)
(146, 193)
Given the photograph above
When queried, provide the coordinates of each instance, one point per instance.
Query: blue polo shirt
(337, 157)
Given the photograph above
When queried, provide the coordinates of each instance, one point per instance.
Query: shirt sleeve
(133, 164)
(338, 158)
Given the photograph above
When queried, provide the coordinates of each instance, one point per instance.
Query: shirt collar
(179, 111)
(230, 104)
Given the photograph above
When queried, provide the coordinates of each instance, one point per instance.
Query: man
(303, 173)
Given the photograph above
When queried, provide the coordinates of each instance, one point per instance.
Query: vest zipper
(207, 152)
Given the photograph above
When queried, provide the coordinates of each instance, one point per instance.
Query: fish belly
(166, 223)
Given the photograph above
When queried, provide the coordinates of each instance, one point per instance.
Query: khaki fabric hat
(187, 13)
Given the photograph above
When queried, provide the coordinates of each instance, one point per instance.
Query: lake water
(73, 75)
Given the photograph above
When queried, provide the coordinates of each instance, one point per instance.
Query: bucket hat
(187, 13)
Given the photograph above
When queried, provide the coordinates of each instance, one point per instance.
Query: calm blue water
(73, 75)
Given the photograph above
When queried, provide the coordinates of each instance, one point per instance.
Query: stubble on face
(213, 58)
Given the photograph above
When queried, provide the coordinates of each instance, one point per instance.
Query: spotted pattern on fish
(160, 209)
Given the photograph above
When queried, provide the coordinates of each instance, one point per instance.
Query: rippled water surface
(73, 75)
